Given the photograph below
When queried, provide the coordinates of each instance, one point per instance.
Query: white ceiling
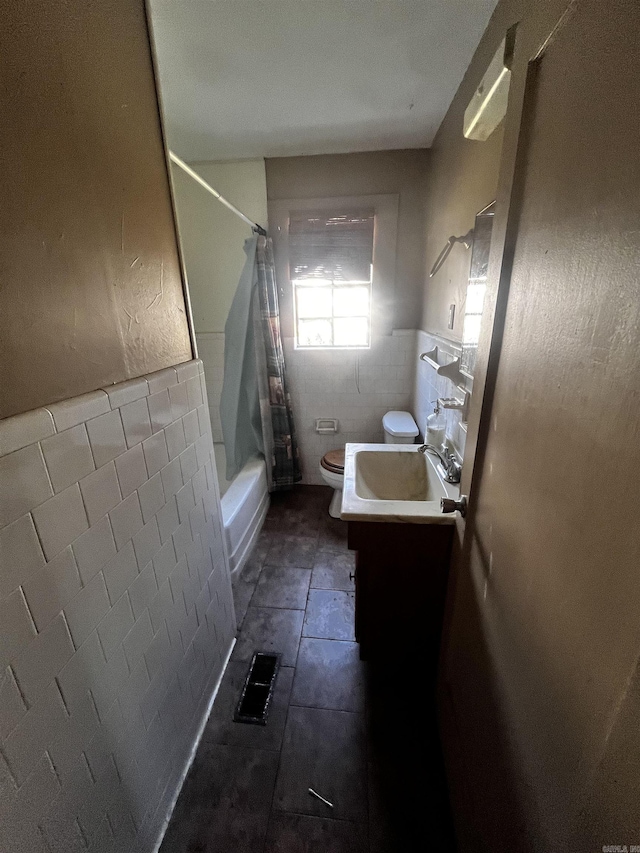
(273, 78)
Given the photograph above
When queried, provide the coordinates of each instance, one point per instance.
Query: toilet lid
(400, 425)
(333, 461)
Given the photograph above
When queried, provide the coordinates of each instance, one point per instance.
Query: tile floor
(355, 732)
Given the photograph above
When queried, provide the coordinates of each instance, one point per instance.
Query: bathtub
(245, 501)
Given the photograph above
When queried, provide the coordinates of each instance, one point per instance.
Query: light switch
(452, 315)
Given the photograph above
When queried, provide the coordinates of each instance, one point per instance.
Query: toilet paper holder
(326, 426)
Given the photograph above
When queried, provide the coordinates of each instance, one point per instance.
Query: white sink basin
(393, 482)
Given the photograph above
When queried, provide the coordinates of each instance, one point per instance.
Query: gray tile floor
(336, 724)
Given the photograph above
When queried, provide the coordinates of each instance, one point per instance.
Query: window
(330, 266)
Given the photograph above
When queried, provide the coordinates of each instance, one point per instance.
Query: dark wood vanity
(401, 580)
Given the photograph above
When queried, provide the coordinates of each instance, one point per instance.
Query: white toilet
(399, 428)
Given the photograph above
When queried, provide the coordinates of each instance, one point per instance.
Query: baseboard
(194, 749)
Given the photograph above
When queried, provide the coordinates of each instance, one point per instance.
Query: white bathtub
(245, 501)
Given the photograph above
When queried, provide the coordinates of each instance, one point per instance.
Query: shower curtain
(255, 406)
(281, 447)
(239, 401)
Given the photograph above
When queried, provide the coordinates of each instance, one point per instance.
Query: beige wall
(539, 691)
(213, 237)
(463, 180)
(90, 290)
(371, 173)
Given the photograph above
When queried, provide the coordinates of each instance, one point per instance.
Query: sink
(396, 476)
(393, 482)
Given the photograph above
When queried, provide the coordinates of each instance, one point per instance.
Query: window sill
(331, 349)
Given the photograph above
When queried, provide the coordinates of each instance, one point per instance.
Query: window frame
(382, 298)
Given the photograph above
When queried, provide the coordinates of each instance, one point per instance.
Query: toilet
(332, 470)
(399, 428)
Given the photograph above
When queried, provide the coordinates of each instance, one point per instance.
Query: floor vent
(253, 706)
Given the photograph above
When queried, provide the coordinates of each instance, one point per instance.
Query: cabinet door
(401, 576)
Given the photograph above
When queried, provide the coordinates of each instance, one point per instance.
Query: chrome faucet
(451, 467)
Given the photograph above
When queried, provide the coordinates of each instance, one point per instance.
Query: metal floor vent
(255, 698)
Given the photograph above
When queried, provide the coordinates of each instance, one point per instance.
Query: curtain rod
(196, 177)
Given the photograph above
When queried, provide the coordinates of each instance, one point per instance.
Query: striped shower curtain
(280, 445)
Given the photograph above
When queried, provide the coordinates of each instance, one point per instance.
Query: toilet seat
(333, 461)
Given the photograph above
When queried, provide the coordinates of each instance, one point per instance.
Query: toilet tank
(399, 428)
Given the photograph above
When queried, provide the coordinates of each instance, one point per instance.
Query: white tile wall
(100, 492)
(211, 351)
(60, 520)
(68, 457)
(106, 437)
(116, 611)
(355, 386)
(428, 386)
(26, 429)
(24, 483)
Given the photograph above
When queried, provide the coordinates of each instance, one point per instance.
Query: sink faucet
(450, 465)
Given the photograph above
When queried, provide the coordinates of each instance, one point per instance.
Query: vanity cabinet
(401, 580)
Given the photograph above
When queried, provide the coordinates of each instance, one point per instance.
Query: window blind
(336, 246)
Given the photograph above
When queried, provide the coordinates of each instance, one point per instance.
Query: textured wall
(540, 691)
(116, 612)
(463, 179)
(90, 285)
